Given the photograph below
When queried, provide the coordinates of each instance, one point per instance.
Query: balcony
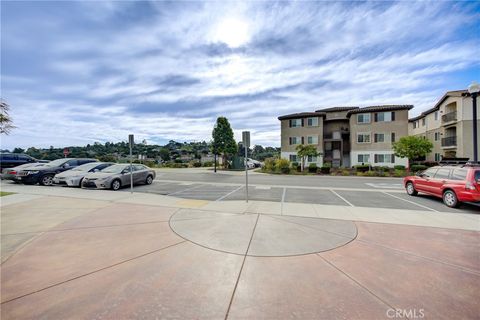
(449, 141)
(449, 117)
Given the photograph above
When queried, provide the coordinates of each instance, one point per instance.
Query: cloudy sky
(79, 72)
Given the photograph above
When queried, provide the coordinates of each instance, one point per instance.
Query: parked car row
(85, 173)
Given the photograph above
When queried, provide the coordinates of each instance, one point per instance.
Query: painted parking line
(346, 201)
(283, 200)
(385, 185)
(224, 196)
(412, 202)
(183, 190)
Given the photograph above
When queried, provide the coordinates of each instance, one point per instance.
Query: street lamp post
(474, 89)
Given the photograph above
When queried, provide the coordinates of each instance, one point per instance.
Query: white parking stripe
(417, 204)
(223, 197)
(188, 189)
(283, 200)
(348, 202)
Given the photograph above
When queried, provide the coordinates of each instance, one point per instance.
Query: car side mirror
(420, 174)
(66, 165)
(95, 170)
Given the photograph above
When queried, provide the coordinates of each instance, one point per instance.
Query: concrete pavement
(70, 253)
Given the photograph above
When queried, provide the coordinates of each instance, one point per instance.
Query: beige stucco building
(448, 125)
(347, 136)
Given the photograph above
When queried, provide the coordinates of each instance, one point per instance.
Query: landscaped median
(283, 166)
(2, 193)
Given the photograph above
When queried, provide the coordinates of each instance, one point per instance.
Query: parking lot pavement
(388, 198)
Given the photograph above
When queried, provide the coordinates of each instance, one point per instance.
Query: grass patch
(2, 193)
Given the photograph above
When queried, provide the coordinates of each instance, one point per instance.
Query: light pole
(474, 89)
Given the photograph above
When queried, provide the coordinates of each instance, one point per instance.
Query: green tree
(223, 141)
(18, 150)
(6, 122)
(303, 151)
(412, 147)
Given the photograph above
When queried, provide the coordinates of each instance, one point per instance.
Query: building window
(293, 158)
(384, 116)
(379, 137)
(312, 140)
(363, 118)
(294, 140)
(312, 122)
(384, 158)
(423, 122)
(311, 159)
(437, 157)
(414, 124)
(392, 137)
(436, 115)
(295, 123)
(437, 137)
(363, 137)
(363, 158)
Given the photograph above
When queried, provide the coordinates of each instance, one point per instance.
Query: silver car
(74, 177)
(117, 176)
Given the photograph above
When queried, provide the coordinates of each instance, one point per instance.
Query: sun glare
(233, 32)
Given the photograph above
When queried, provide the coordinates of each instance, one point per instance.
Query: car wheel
(149, 180)
(46, 180)
(80, 183)
(411, 189)
(450, 199)
(116, 184)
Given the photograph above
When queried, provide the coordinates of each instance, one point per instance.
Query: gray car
(117, 176)
(74, 177)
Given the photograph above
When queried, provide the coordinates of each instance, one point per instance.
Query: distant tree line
(110, 151)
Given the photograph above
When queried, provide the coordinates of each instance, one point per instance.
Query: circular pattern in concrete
(262, 235)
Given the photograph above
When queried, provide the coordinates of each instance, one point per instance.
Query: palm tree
(6, 123)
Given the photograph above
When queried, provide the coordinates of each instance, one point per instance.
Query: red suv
(454, 184)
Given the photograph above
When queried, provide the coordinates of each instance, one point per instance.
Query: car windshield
(86, 166)
(56, 163)
(116, 168)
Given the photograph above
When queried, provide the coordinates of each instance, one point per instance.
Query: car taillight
(13, 172)
(469, 186)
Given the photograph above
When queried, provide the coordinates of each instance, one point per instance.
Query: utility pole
(131, 142)
(246, 145)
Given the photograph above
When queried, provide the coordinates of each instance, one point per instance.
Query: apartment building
(448, 125)
(346, 136)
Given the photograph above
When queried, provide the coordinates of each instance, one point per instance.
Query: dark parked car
(11, 160)
(11, 173)
(44, 174)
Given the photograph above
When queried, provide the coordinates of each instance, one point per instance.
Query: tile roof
(302, 115)
(389, 107)
(336, 109)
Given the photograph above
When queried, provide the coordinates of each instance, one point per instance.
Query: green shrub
(282, 166)
(269, 165)
(345, 172)
(312, 168)
(399, 167)
(197, 164)
(362, 168)
(208, 164)
(324, 170)
(360, 174)
(418, 167)
(399, 173)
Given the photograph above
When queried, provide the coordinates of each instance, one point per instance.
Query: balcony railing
(449, 141)
(448, 117)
